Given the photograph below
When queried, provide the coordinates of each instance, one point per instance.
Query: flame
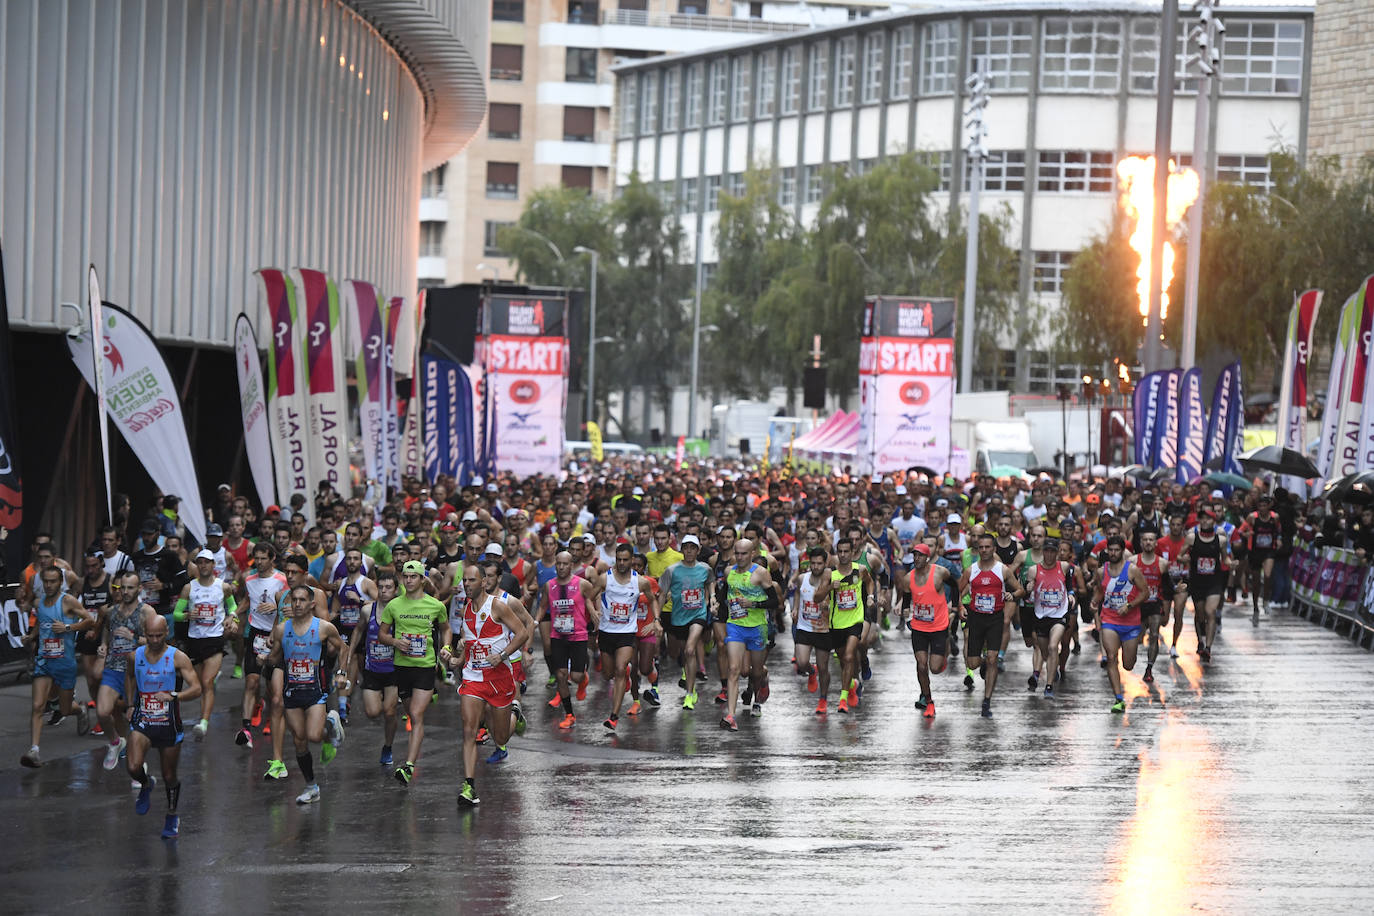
(1137, 174)
(1122, 372)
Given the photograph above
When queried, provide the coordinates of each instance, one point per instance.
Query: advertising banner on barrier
(286, 390)
(1192, 426)
(327, 402)
(448, 419)
(360, 300)
(1330, 578)
(11, 480)
(526, 357)
(906, 383)
(257, 443)
(146, 408)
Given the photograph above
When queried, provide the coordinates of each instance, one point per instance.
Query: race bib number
(349, 615)
(620, 612)
(693, 599)
(1176, 570)
(1264, 541)
(923, 612)
(738, 609)
(985, 604)
(261, 645)
(52, 647)
(1051, 597)
(380, 653)
(1206, 565)
(300, 670)
(154, 709)
(1116, 601)
(203, 614)
(563, 622)
(847, 600)
(478, 656)
(414, 645)
(811, 611)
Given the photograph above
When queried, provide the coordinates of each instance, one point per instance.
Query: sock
(307, 763)
(205, 722)
(140, 776)
(1120, 697)
(968, 671)
(173, 796)
(500, 747)
(844, 695)
(567, 705)
(1002, 654)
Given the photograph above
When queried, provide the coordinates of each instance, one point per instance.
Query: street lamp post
(591, 332)
(696, 342)
(1206, 36)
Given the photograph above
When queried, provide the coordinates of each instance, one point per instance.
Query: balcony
(659, 33)
(698, 23)
(434, 209)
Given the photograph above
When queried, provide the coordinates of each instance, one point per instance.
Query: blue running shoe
(145, 796)
(498, 755)
(386, 756)
(172, 827)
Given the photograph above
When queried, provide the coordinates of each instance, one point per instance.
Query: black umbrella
(1280, 460)
(1045, 469)
(922, 469)
(1352, 488)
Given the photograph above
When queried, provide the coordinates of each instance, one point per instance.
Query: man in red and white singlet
(1155, 569)
(1049, 596)
(992, 592)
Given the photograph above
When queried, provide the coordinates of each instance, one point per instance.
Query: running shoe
(1149, 675)
(83, 720)
(483, 736)
(1204, 653)
(728, 723)
(821, 707)
(930, 710)
(568, 722)
(309, 796)
(98, 730)
(267, 729)
(55, 717)
(31, 759)
(171, 827)
(690, 701)
(238, 673)
(1173, 651)
(327, 753)
(1077, 649)
(864, 670)
(746, 696)
(145, 796)
(682, 680)
(112, 754)
(582, 687)
(1254, 617)
(1119, 706)
(1033, 682)
(333, 728)
(1102, 662)
(244, 738)
(921, 701)
(520, 722)
(813, 682)
(756, 710)
(856, 691)
(405, 773)
(1001, 664)
(983, 670)
(386, 758)
(551, 682)
(1049, 691)
(651, 696)
(887, 622)
(468, 798)
(843, 708)
(498, 755)
(275, 770)
(556, 701)
(256, 720)
(199, 730)
(596, 662)
(610, 723)
(634, 709)
(968, 682)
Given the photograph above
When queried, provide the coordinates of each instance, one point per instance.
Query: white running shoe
(309, 796)
(1173, 652)
(199, 730)
(333, 728)
(112, 753)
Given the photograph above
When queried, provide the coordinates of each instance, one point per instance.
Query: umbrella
(1280, 460)
(1224, 479)
(922, 469)
(1045, 469)
(1352, 488)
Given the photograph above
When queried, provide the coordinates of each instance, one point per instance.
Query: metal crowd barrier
(1356, 626)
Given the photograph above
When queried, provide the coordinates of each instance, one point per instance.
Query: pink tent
(838, 434)
(808, 442)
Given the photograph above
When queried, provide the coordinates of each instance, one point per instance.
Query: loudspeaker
(813, 387)
(744, 446)
(656, 436)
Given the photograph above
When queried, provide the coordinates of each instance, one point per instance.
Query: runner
(1208, 571)
(1049, 593)
(346, 610)
(647, 634)
(618, 624)
(378, 666)
(992, 594)
(1172, 547)
(571, 604)
(212, 610)
(260, 589)
(59, 618)
(124, 631)
(811, 615)
(1265, 536)
(408, 623)
(150, 682)
(95, 598)
(299, 646)
(925, 586)
(1120, 592)
(685, 584)
(545, 571)
(749, 590)
(1155, 569)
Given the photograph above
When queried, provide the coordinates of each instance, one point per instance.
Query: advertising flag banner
(1351, 456)
(906, 383)
(256, 440)
(1146, 410)
(327, 402)
(391, 429)
(1292, 418)
(526, 357)
(1192, 427)
(97, 335)
(408, 338)
(594, 440)
(11, 481)
(1166, 423)
(1223, 422)
(1335, 389)
(448, 419)
(286, 390)
(361, 300)
(146, 408)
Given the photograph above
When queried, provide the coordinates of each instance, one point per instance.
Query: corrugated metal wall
(181, 144)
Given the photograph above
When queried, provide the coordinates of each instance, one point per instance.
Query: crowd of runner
(511, 591)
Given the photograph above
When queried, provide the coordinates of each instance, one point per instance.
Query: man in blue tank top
(150, 685)
(299, 647)
(60, 617)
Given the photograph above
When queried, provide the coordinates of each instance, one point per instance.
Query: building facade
(1342, 119)
(550, 109)
(1072, 92)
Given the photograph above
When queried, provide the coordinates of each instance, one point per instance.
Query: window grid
(734, 185)
(1144, 56)
(787, 187)
(687, 199)
(939, 57)
(815, 187)
(817, 71)
(768, 77)
(629, 104)
(648, 108)
(942, 164)
(791, 79)
(1081, 55)
(672, 85)
(739, 81)
(431, 239)
(1251, 171)
(692, 97)
(1262, 57)
(712, 193)
(491, 231)
(844, 72)
(903, 42)
(1005, 170)
(873, 68)
(1049, 269)
(1002, 48)
(715, 103)
(1075, 170)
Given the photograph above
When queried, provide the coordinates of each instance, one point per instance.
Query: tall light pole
(591, 332)
(977, 85)
(696, 343)
(1164, 116)
(1206, 37)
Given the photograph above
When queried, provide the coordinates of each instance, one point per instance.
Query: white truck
(739, 422)
(999, 447)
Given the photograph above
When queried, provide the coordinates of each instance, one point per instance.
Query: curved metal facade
(179, 145)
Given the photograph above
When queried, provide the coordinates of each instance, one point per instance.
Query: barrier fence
(1332, 586)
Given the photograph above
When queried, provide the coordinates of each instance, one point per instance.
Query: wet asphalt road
(1246, 788)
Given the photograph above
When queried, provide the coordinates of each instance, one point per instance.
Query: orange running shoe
(407, 718)
(930, 711)
(854, 694)
(634, 708)
(267, 729)
(844, 707)
(256, 720)
(582, 688)
(813, 683)
(556, 701)
(821, 707)
(568, 721)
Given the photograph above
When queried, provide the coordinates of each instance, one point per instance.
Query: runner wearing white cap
(212, 612)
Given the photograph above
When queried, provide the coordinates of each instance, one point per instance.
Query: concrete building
(1342, 111)
(549, 120)
(1072, 92)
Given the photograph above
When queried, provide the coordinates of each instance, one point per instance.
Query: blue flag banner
(1225, 426)
(1166, 421)
(1192, 427)
(448, 420)
(1146, 406)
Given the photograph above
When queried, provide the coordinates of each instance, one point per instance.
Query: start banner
(906, 383)
(526, 358)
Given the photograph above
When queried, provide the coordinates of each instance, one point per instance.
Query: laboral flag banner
(1192, 426)
(1166, 422)
(448, 419)
(906, 383)
(1145, 413)
(1350, 455)
(1335, 388)
(408, 336)
(361, 301)
(526, 372)
(1226, 423)
(391, 428)
(146, 408)
(1366, 441)
(1292, 418)
(256, 440)
(327, 401)
(286, 390)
